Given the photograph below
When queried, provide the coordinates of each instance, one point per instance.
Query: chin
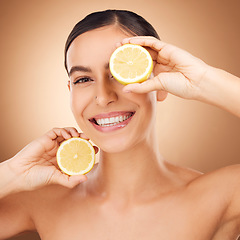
(118, 144)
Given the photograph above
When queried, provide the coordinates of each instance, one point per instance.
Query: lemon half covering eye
(131, 63)
(76, 156)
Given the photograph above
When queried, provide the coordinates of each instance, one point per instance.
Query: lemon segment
(131, 63)
(76, 156)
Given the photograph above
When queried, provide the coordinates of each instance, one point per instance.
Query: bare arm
(219, 195)
(222, 89)
(180, 73)
(7, 181)
(32, 168)
(14, 216)
(232, 213)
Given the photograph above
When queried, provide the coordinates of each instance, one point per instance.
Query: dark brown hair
(127, 20)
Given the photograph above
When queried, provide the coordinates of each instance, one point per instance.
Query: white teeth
(106, 122)
(112, 120)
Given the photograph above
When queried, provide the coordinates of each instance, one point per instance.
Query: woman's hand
(175, 70)
(36, 166)
(178, 72)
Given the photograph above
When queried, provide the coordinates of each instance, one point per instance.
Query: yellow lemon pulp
(131, 63)
(76, 156)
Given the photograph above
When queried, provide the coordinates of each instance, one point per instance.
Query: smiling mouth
(113, 120)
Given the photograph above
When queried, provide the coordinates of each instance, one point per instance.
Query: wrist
(221, 89)
(8, 182)
(208, 86)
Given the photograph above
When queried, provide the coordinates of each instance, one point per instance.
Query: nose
(105, 93)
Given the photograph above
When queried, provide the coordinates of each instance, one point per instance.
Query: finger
(82, 135)
(58, 132)
(161, 95)
(172, 82)
(67, 133)
(144, 87)
(167, 54)
(163, 57)
(146, 41)
(67, 181)
(72, 131)
(96, 149)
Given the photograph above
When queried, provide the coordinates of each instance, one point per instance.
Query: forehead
(95, 46)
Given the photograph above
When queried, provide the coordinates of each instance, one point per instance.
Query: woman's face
(114, 120)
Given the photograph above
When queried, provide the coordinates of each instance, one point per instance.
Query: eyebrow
(80, 68)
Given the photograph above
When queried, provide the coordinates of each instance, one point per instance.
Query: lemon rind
(138, 79)
(71, 173)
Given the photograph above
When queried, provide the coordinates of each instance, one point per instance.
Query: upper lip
(112, 114)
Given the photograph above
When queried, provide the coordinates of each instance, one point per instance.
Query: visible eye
(82, 80)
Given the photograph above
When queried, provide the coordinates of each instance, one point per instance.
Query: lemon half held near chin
(131, 63)
(76, 156)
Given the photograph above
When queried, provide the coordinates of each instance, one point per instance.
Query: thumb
(144, 87)
(66, 180)
(170, 82)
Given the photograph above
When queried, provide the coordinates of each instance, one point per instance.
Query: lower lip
(114, 127)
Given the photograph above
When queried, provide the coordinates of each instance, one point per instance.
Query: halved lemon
(76, 156)
(131, 63)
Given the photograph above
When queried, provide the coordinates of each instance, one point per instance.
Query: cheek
(146, 102)
(147, 109)
(79, 100)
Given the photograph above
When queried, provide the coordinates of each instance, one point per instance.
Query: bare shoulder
(220, 186)
(52, 194)
(55, 203)
(15, 216)
(216, 195)
(225, 179)
(183, 174)
(221, 191)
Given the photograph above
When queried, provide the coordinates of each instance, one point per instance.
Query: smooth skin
(133, 193)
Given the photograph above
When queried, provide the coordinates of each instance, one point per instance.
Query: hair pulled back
(127, 20)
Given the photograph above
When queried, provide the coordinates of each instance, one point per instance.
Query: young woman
(133, 193)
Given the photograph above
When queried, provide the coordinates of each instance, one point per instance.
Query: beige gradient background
(34, 94)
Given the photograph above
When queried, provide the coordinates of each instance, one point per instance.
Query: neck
(136, 172)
